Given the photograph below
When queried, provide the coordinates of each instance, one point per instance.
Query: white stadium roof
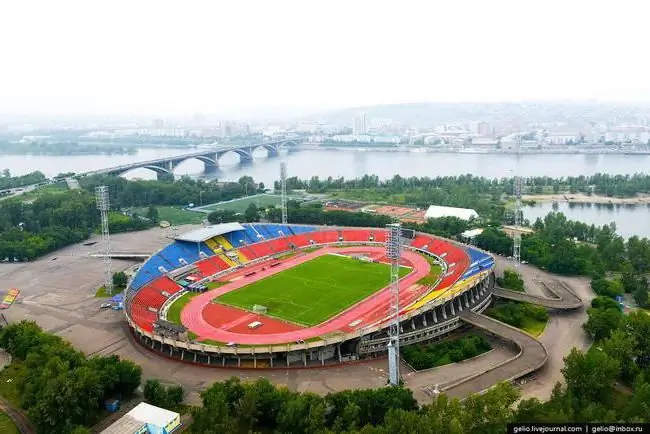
(202, 234)
(436, 211)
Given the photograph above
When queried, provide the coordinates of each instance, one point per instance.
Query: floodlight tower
(103, 205)
(394, 254)
(283, 189)
(516, 245)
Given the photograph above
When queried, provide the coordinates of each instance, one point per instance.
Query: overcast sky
(180, 57)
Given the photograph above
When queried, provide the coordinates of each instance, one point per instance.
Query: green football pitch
(313, 291)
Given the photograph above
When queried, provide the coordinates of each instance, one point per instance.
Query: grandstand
(234, 252)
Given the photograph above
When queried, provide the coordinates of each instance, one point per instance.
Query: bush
(169, 397)
(442, 353)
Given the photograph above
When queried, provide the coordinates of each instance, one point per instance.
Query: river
(349, 164)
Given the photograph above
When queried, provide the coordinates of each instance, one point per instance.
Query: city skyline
(156, 58)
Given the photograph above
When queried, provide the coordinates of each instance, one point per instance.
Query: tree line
(7, 181)
(124, 193)
(60, 388)
(568, 247)
(52, 221)
(416, 188)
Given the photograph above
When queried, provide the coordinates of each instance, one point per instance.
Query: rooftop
(203, 234)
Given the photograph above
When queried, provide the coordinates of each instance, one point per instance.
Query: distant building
(436, 211)
(360, 125)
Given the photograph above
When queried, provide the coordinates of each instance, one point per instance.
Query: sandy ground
(583, 198)
(59, 295)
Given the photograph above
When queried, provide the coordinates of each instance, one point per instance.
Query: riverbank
(585, 198)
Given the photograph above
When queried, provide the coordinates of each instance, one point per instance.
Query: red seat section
(143, 317)
(324, 237)
(207, 267)
(279, 245)
(260, 249)
(420, 241)
(380, 236)
(362, 235)
(299, 240)
(166, 284)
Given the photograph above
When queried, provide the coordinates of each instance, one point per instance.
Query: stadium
(276, 296)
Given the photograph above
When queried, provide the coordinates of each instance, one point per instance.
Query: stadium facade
(196, 258)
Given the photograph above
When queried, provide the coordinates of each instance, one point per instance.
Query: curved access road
(563, 297)
(531, 357)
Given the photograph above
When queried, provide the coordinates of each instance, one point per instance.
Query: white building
(360, 125)
(146, 418)
(435, 212)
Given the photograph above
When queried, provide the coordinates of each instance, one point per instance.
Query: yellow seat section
(220, 239)
(213, 245)
(227, 260)
(242, 258)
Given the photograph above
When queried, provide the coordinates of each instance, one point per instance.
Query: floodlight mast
(103, 205)
(283, 189)
(394, 254)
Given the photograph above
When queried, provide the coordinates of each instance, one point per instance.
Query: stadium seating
(302, 229)
(322, 237)
(380, 236)
(260, 249)
(236, 239)
(420, 241)
(143, 317)
(212, 245)
(223, 242)
(151, 270)
(300, 240)
(279, 245)
(362, 235)
(165, 284)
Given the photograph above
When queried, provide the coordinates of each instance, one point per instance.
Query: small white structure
(146, 418)
(435, 212)
(471, 233)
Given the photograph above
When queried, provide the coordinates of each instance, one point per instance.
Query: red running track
(364, 313)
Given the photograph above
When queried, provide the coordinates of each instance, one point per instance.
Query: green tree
(590, 376)
(152, 214)
(120, 279)
(252, 213)
(602, 322)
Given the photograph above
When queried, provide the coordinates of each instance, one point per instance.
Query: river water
(350, 164)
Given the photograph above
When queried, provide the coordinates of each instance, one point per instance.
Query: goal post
(258, 308)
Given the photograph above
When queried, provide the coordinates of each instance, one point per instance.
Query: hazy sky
(180, 57)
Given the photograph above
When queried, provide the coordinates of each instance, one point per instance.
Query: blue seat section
(265, 232)
(236, 238)
(207, 251)
(251, 235)
(302, 229)
(173, 252)
(479, 262)
(150, 270)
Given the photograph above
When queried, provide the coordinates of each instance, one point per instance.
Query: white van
(254, 325)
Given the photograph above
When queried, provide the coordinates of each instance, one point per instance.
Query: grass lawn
(8, 389)
(314, 291)
(533, 327)
(214, 284)
(432, 277)
(174, 312)
(240, 205)
(7, 426)
(101, 292)
(175, 215)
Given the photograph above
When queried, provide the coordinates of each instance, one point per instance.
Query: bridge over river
(209, 158)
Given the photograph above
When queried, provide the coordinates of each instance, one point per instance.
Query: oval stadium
(276, 296)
